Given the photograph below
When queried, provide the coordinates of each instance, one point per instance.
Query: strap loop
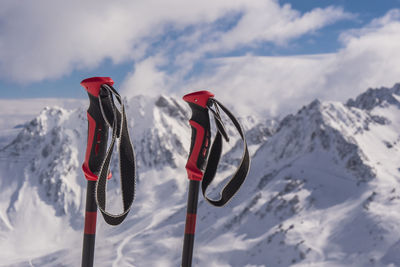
(117, 121)
(234, 184)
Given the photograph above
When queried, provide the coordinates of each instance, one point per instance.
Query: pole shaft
(190, 226)
(90, 226)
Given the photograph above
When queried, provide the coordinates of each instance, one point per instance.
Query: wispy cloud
(253, 24)
(267, 21)
(369, 57)
(47, 39)
(180, 45)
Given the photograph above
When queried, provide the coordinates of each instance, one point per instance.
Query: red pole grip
(97, 128)
(200, 140)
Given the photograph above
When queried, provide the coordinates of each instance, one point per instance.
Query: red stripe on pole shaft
(190, 227)
(90, 222)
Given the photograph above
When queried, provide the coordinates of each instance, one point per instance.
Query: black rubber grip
(99, 133)
(201, 117)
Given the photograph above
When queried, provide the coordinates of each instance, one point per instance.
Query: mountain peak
(396, 89)
(322, 129)
(310, 175)
(171, 107)
(374, 97)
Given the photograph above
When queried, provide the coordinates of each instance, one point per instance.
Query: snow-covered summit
(322, 189)
(321, 127)
(323, 180)
(377, 97)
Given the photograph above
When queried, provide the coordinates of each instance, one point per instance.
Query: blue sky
(48, 47)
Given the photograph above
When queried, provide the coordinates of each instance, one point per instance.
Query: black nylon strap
(117, 121)
(239, 176)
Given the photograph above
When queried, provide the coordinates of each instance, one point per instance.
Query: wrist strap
(234, 184)
(117, 122)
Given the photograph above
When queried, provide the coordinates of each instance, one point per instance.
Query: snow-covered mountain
(323, 189)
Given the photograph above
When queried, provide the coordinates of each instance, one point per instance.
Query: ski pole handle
(97, 128)
(200, 141)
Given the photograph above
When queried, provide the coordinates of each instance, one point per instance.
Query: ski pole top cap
(199, 98)
(92, 85)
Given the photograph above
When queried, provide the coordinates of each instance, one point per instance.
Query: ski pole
(95, 153)
(202, 168)
(199, 148)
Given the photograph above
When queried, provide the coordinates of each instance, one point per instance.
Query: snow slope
(14, 113)
(323, 190)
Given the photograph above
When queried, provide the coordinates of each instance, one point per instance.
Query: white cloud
(369, 57)
(267, 21)
(272, 84)
(146, 78)
(47, 39)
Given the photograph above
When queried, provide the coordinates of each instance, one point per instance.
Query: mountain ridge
(319, 182)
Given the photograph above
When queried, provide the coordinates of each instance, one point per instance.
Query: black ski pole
(95, 153)
(199, 148)
(202, 168)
